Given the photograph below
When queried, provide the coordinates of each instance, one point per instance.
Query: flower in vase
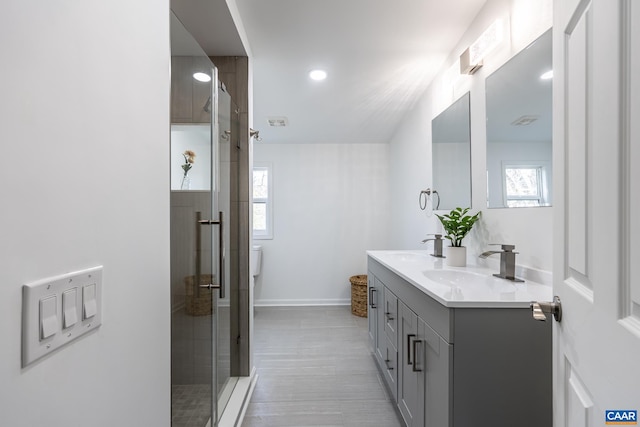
(189, 159)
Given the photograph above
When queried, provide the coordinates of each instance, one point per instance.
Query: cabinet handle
(415, 359)
(387, 360)
(387, 314)
(371, 303)
(409, 336)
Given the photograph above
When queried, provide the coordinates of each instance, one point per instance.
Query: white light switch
(89, 306)
(48, 317)
(58, 310)
(69, 308)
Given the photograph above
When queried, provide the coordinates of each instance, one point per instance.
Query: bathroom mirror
(519, 133)
(451, 153)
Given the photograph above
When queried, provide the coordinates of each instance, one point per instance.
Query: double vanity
(456, 346)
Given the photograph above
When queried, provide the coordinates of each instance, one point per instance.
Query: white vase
(456, 256)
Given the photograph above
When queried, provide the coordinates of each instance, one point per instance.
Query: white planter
(456, 256)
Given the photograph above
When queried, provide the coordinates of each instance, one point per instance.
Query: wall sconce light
(471, 59)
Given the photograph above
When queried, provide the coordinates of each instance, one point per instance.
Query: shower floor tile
(190, 405)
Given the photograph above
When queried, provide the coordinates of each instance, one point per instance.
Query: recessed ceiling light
(548, 75)
(318, 75)
(202, 77)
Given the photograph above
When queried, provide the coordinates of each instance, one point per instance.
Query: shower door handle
(221, 258)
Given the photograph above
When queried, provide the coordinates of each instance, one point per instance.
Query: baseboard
(237, 407)
(299, 302)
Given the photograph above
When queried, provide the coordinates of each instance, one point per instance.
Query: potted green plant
(457, 224)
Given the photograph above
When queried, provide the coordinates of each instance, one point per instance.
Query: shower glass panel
(201, 129)
(227, 122)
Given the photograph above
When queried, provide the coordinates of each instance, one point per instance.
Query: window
(262, 217)
(523, 185)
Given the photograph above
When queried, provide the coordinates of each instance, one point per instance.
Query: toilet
(256, 260)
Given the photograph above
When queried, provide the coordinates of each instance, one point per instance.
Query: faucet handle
(504, 247)
(437, 236)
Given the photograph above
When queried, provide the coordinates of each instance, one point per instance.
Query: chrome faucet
(437, 245)
(507, 261)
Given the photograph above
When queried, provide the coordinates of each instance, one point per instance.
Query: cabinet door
(391, 367)
(411, 373)
(437, 358)
(380, 348)
(372, 311)
(391, 316)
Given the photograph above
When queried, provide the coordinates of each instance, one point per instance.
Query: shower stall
(204, 123)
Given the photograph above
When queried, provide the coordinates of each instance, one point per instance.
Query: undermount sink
(454, 277)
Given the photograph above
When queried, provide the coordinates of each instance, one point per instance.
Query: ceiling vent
(524, 120)
(278, 122)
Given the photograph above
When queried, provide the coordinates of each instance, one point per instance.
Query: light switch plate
(63, 290)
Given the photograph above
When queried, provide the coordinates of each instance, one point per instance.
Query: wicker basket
(198, 300)
(359, 295)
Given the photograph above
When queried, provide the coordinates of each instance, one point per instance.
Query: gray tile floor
(190, 405)
(315, 369)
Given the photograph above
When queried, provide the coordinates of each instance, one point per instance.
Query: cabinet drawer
(391, 316)
(391, 368)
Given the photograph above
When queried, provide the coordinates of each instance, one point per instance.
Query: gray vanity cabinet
(461, 366)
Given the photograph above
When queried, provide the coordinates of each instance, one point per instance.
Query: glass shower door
(197, 234)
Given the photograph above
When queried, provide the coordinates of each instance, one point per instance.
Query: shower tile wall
(191, 354)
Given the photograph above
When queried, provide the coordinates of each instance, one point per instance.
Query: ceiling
(379, 55)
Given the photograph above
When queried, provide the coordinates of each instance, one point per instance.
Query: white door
(597, 234)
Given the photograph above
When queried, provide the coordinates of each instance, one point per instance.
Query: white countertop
(470, 286)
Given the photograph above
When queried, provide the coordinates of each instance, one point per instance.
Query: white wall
(331, 204)
(84, 125)
(530, 229)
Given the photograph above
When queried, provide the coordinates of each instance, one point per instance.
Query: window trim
(540, 167)
(268, 201)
